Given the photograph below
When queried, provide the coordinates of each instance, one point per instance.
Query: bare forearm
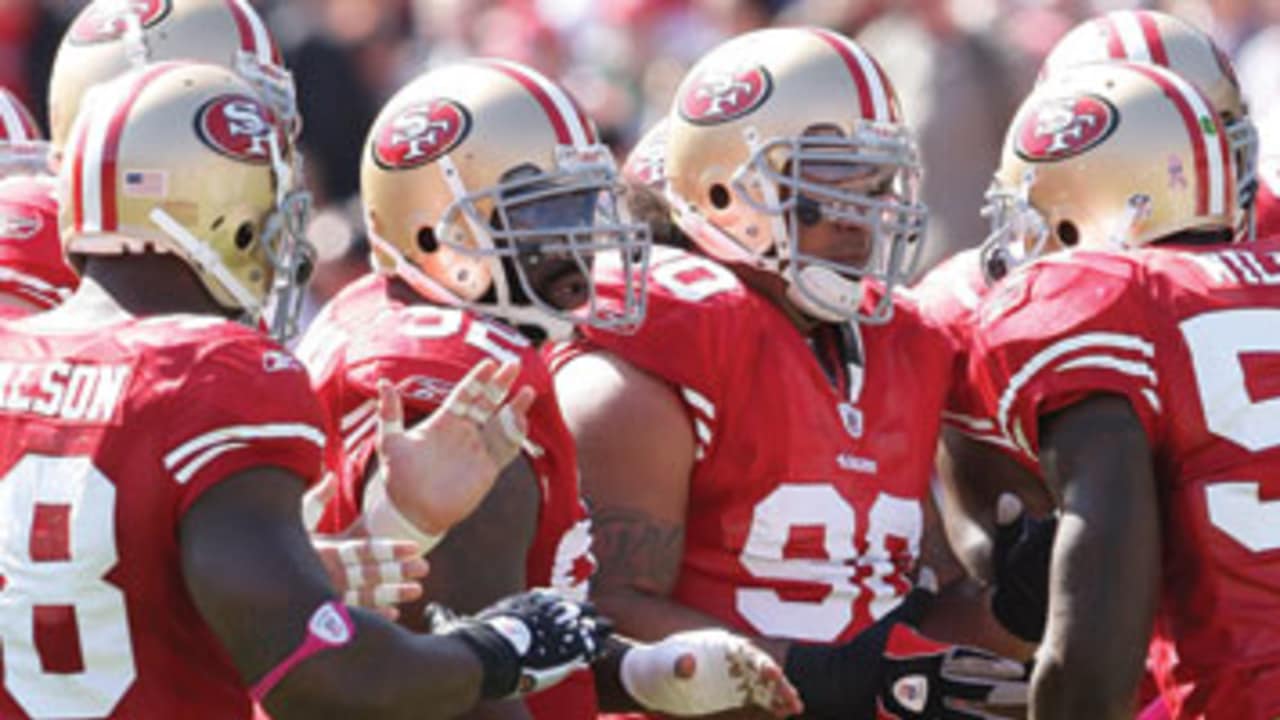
(961, 615)
(383, 673)
(1097, 455)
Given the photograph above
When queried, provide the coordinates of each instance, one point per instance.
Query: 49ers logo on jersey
(106, 21)
(717, 96)
(420, 133)
(1064, 127)
(237, 126)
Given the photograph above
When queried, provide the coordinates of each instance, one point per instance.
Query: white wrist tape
(648, 672)
(384, 520)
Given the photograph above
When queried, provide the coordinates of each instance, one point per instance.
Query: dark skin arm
(635, 451)
(972, 476)
(961, 612)
(1097, 459)
(482, 560)
(250, 568)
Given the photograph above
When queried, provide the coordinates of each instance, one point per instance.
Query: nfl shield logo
(852, 419)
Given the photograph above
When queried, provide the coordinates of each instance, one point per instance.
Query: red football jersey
(1267, 209)
(948, 297)
(107, 437)
(363, 335)
(805, 505)
(32, 266)
(1192, 339)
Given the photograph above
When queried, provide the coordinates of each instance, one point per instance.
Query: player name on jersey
(62, 390)
(1243, 267)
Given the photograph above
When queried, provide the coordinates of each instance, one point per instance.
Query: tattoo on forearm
(635, 550)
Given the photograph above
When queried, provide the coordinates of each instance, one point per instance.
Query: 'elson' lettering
(62, 390)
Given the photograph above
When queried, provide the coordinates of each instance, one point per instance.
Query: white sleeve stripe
(1136, 368)
(699, 402)
(1044, 358)
(186, 473)
(355, 437)
(703, 432)
(268, 431)
(1152, 399)
(358, 416)
(976, 424)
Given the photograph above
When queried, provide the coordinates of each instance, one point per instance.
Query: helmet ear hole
(1068, 235)
(719, 196)
(427, 240)
(244, 236)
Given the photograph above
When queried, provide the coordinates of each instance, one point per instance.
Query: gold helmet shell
(759, 127)
(478, 176)
(183, 158)
(1112, 154)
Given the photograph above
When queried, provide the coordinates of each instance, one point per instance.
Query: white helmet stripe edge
(1212, 163)
(14, 129)
(262, 44)
(559, 107)
(866, 76)
(1131, 36)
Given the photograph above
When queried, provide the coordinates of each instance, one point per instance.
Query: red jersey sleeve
(244, 402)
(691, 320)
(1061, 330)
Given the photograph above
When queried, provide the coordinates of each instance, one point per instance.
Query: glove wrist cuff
(498, 659)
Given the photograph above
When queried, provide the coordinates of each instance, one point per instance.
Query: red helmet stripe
(1115, 46)
(1155, 42)
(254, 37)
(855, 64)
(1178, 91)
(80, 132)
(96, 152)
(568, 121)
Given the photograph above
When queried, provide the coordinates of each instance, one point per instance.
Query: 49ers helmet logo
(237, 126)
(105, 21)
(420, 133)
(1064, 127)
(717, 96)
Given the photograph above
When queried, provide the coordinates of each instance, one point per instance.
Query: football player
(950, 293)
(108, 38)
(33, 274)
(156, 452)
(1135, 380)
(488, 199)
(747, 465)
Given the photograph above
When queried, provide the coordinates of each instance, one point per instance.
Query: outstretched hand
(439, 470)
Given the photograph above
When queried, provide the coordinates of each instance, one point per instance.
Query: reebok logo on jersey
(61, 390)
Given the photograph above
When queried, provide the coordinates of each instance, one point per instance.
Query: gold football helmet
(1113, 154)
(1160, 39)
(782, 129)
(644, 164)
(23, 150)
(485, 186)
(109, 37)
(184, 158)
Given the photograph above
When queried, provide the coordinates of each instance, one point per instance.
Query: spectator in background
(959, 90)
(29, 35)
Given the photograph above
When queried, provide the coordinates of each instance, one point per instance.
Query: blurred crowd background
(960, 68)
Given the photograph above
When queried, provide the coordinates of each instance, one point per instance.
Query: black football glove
(891, 671)
(1023, 547)
(527, 642)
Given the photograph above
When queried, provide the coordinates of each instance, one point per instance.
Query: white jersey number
(794, 506)
(1216, 341)
(57, 541)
